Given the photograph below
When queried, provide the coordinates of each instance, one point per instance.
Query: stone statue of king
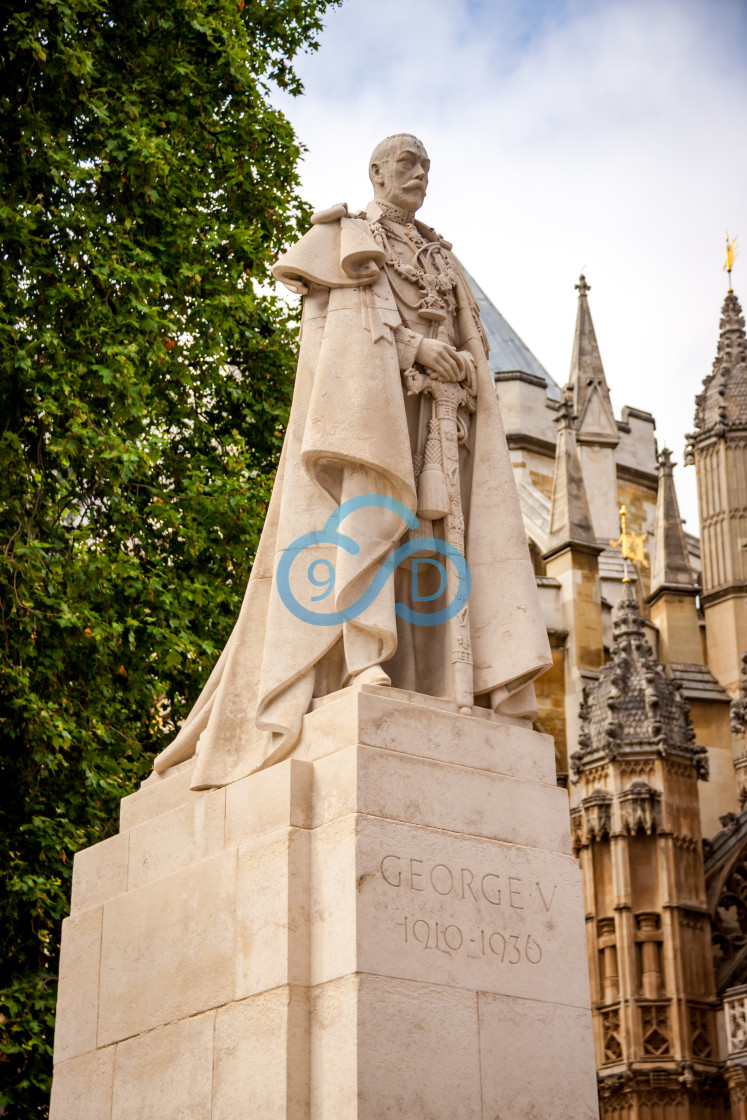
(395, 437)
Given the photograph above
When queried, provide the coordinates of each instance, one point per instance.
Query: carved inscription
(417, 875)
(510, 948)
(513, 898)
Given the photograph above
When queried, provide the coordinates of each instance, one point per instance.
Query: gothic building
(647, 704)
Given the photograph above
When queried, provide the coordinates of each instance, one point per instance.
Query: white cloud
(604, 135)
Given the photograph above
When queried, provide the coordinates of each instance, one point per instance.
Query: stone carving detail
(736, 1079)
(578, 839)
(612, 1033)
(636, 767)
(658, 1098)
(693, 919)
(684, 769)
(686, 843)
(441, 460)
(655, 1028)
(713, 519)
(700, 1032)
(640, 807)
(595, 773)
(738, 729)
(735, 1012)
(739, 706)
(740, 771)
(729, 922)
(584, 738)
(634, 709)
(662, 1092)
(614, 1085)
(597, 810)
(723, 399)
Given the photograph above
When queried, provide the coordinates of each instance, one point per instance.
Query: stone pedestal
(388, 924)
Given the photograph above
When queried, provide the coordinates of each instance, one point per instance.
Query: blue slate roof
(508, 353)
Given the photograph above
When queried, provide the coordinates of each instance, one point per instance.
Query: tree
(146, 185)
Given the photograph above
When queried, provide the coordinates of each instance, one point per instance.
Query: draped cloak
(348, 434)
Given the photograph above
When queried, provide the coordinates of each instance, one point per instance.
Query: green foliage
(146, 184)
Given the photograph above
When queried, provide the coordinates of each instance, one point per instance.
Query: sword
(445, 432)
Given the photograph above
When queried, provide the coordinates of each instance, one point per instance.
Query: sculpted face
(399, 172)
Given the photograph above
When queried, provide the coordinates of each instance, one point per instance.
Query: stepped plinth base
(388, 924)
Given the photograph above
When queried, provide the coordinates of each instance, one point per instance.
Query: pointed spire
(591, 397)
(671, 568)
(732, 344)
(570, 519)
(723, 400)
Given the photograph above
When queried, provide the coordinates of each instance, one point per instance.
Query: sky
(603, 136)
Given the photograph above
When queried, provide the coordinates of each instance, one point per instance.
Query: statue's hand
(442, 361)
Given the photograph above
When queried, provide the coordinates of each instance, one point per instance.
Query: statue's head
(398, 170)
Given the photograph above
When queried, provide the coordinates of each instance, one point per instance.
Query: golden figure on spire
(732, 252)
(631, 545)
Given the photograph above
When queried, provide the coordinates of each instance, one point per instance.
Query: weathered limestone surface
(388, 924)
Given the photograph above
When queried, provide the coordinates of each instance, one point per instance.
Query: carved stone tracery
(701, 1045)
(640, 807)
(655, 1028)
(612, 1034)
(597, 814)
(729, 921)
(650, 1094)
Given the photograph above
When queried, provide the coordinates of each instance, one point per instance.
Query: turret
(637, 831)
(718, 448)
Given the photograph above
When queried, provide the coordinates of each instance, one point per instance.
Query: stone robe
(354, 431)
